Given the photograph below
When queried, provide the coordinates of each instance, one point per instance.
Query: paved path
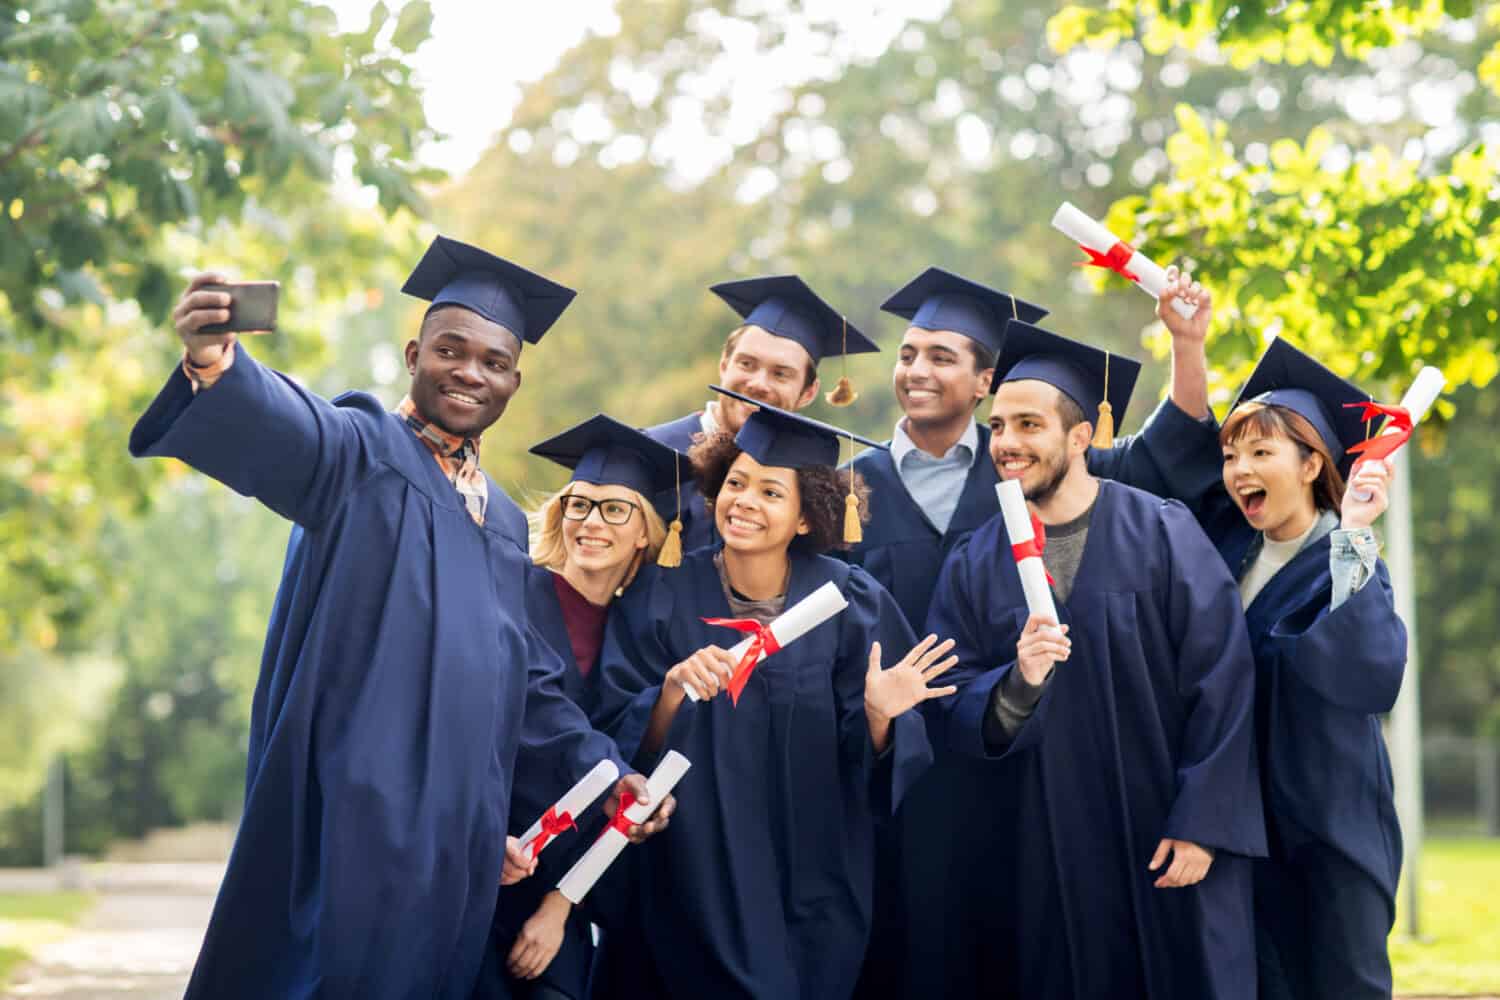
(137, 943)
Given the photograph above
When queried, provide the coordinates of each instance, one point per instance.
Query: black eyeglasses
(613, 510)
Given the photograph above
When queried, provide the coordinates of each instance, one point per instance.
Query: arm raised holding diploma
(1108, 251)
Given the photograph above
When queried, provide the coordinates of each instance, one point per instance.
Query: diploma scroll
(1022, 538)
(1107, 250)
(797, 620)
(591, 867)
(562, 815)
(1424, 391)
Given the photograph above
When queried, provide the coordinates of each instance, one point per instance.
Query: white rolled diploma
(578, 798)
(591, 867)
(1424, 391)
(793, 623)
(1018, 527)
(1085, 231)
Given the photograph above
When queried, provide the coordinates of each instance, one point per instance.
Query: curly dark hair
(822, 488)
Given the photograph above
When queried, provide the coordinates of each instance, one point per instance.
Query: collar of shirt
(902, 444)
(708, 419)
(458, 457)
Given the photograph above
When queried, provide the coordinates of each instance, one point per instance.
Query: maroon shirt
(584, 622)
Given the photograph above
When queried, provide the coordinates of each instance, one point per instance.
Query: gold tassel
(853, 530)
(1104, 427)
(670, 556)
(843, 393)
(1104, 431)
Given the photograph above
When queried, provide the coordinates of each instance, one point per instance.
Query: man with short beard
(773, 357)
(400, 676)
(1124, 732)
(934, 486)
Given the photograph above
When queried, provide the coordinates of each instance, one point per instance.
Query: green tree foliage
(139, 142)
(1303, 31)
(120, 122)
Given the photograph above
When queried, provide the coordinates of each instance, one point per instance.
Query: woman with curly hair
(762, 885)
(589, 540)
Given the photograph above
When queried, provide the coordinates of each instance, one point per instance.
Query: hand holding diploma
(1404, 418)
(703, 674)
(1043, 644)
(1367, 495)
(1108, 251)
(1027, 540)
(566, 811)
(629, 814)
(644, 817)
(797, 620)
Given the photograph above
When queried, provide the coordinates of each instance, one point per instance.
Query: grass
(30, 920)
(1458, 952)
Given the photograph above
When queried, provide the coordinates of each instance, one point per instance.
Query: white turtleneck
(1273, 556)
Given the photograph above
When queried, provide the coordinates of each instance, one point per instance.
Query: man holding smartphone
(400, 677)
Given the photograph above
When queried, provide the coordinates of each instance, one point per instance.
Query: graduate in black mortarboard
(763, 887)
(772, 357)
(400, 674)
(1126, 738)
(592, 537)
(931, 488)
(1330, 654)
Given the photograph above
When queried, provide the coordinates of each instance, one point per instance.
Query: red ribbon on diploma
(1382, 445)
(1035, 547)
(552, 825)
(1115, 259)
(764, 644)
(619, 821)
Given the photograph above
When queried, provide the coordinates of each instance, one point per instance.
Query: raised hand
(904, 686)
(1373, 480)
(1180, 285)
(198, 308)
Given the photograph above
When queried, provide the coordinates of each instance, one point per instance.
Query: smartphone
(252, 307)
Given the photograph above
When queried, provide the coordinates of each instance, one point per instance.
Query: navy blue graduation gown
(697, 520)
(930, 934)
(533, 793)
(761, 885)
(1326, 897)
(398, 680)
(1146, 732)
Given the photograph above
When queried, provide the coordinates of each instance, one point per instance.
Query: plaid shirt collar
(458, 457)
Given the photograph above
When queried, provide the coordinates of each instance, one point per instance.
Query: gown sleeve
(1217, 802)
(633, 663)
(986, 652)
(555, 733)
(262, 435)
(873, 616)
(1173, 456)
(1353, 656)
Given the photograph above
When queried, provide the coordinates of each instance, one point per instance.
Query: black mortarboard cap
(1286, 377)
(454, 273)
(940, 300)
(783, 305)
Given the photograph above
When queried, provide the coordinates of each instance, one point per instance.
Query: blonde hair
(550, 552)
